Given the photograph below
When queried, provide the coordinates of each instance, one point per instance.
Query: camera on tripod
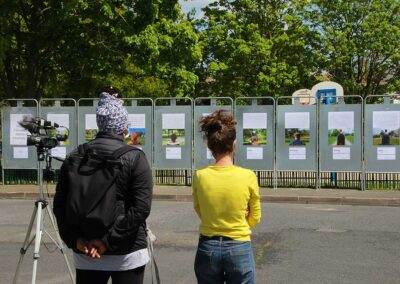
(45, 137)
(43, 134)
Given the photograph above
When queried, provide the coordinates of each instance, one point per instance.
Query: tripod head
(48, 172)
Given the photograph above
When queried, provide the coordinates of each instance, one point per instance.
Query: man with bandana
(121, 254)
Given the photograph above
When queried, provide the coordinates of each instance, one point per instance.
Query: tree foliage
(255, 48)
(360, 43)
(69, 48)
(148, 48)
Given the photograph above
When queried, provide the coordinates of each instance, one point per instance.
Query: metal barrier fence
(173, 164)
(348, 180)
(173, 177)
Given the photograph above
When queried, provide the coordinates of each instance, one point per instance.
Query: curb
(394, 202)
(335, 200)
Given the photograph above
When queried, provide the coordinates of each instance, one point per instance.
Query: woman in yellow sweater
(226, 199)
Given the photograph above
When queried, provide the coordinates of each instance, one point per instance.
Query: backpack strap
(122, 150)
(84, 149)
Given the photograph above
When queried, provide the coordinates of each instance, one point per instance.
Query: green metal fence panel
(296, 137)
(173, 133)
(87, 125)
(255, 133)
(140, 117)
(340, 136)
(382, 135)
(15, 152)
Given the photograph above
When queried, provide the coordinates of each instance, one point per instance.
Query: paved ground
(294, 243)
(302, 196)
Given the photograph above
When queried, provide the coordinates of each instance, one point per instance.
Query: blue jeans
(222, 260)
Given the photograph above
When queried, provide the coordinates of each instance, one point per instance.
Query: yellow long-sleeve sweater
(221, 196)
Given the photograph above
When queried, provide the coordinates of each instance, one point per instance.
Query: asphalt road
(295, 243)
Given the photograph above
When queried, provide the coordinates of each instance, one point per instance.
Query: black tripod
(38, 214)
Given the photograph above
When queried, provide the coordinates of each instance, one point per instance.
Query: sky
(198, 4)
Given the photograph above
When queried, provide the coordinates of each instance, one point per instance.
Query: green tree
(54, 46)
(165, 54)
(70, 48)
(255, 48)
(360, 43)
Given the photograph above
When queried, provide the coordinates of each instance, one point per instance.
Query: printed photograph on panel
(386, 136)
(297, 128)
(386, 127)
(255, 137)
(297, 136)
(173, 137)
(255, 128)
(137, 129)
(173, 129)
(340, 137)
(91, 129)
(341, 128)
(137, 137)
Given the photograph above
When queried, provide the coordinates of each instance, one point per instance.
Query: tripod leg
(25, 245)
(38, 239)
(60, 243)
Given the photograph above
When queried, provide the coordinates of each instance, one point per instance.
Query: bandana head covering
(111, 115)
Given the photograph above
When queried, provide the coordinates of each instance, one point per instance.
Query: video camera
(40, 136)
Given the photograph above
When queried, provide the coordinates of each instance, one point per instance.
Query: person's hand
(82, 245)
(96, 248)
(247, 212)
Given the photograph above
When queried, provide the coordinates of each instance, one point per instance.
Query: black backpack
(92, 192)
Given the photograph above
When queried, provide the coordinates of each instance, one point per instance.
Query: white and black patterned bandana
(111, 115)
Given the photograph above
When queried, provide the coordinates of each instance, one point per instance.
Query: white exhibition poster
(341, 153)
(299, 120)
(20, 152)
(60, 152)
(341, 120)
(137, 120)
(90, 121)
(297, 153)
(386, 153)
(173, 153)
(17, 133)
(255, 120)
(386, 120)
(173, 121)
(254, 153)
(209, 154)
(62, 119)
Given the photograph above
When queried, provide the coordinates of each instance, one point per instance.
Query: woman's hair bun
(213, 126)
(217, 121)
(219, 128)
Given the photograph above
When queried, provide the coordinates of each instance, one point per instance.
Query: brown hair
(173, 137)
(219, 128)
